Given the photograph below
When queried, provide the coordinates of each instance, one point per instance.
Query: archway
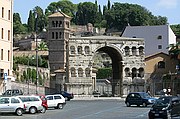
(117, 68)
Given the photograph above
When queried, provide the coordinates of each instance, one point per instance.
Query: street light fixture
(36, 51)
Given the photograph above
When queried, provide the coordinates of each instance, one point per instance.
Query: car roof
(136, 92)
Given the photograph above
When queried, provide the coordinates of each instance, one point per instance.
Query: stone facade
(71, 59)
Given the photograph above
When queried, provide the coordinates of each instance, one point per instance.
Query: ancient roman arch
(127, 55)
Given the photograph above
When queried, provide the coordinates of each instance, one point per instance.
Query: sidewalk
(91, 97)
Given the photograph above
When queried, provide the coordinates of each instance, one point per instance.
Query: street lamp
(36, 52)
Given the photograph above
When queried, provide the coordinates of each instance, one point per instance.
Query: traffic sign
(5, 76)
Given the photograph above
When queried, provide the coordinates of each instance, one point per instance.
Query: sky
(164, 8)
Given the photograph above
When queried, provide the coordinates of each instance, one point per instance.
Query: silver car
(11, 105)
(33, 103)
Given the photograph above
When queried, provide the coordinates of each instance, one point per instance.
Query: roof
(59, 14)
(156, 54)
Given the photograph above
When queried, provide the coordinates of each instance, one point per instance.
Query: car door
(4, 105)
(137, 99)
(175, 107)
(50, 101)
(14, 104)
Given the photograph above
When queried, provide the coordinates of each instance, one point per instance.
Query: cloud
(168, 3)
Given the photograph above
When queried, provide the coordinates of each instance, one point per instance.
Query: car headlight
(150, 101)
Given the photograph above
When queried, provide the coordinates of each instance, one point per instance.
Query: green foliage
(86, 13)
(42, 46)
(33, 75)
(65, 6)
(31, 22)
(41, 81)
(120, 15)
(176, 29)
(104, 73)
(31, 61)
(18, 27)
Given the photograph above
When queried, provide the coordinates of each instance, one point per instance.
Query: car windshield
(145, 95)
(162, 102)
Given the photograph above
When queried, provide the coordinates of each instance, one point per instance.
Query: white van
(33, 103)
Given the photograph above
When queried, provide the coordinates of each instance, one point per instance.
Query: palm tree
(174, 51)
(42, 46)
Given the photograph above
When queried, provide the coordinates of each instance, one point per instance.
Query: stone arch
(117, 66)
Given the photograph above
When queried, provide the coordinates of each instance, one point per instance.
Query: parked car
(67, 96)
(139, 98)
(12, 92)
(56, 101)
(33, 103)
(12, 105)
(44, 103)
(165, 107)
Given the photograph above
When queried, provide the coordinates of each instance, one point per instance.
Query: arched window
(127, 72)
(134, 72)
(87, 51)
(80, 72)
(133, 51)
(72, 49)
(87, 72)
(126, 50)
(141, 50)
(79, 50)
(141, 72)
(161, 64)
(73, 72)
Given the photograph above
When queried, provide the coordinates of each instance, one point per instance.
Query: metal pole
(28, 74)
(36, 53)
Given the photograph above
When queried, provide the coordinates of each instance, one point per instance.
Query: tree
(86, 13)
(18, 27)
(174, 50)
(42, 46)
(40, 19)
(31, 22)
(65, 6)
(176, 29)
(120, 15)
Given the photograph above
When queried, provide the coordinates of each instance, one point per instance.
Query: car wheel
(144, 104)
(60, 106)
(43, 110)
(19, 112)
(128, 104)
(32, 110)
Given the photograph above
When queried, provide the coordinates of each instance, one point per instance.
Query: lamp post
(36, 52)
(28, 74)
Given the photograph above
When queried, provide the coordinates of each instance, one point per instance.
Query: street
(89, 109)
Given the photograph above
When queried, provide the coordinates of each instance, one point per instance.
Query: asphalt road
(89, 109)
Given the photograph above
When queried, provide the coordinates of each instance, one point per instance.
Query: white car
(33, 103)
(11, 105)
(56, 101)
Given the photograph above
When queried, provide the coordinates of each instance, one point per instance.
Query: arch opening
(117, 69)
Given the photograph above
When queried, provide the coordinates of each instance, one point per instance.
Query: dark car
(67, 96)
(139, 98)
(12, 92)
(165, 107)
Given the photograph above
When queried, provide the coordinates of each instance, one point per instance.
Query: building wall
(152, 64)
(6, 39)
(151, 35)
